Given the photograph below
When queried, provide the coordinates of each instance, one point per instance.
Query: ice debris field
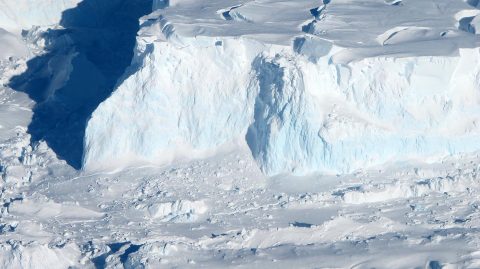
(240, 134)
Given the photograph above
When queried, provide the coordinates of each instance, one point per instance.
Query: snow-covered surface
(19, 15)
(11, 46)
(368, 109)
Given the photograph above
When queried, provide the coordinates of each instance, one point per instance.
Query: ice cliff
(293, 81)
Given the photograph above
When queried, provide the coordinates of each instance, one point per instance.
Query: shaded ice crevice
(84, 57)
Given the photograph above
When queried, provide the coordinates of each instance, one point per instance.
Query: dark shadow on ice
(79, 70)
(115, 248)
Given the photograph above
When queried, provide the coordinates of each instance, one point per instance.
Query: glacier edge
(296, 109)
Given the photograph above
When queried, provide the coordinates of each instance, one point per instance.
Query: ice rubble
(16, 16)
(177, 211)
(34, 255)
(312, 104)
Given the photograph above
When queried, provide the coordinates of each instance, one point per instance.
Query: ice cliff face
(178, 109)
(307, 104)
(338, 118)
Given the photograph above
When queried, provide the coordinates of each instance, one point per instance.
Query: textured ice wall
(338, 118)
(18, 15)
(298, 110)
(178, 103)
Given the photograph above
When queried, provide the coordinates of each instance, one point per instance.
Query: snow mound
(405, 34)
(333, 230)
(34, 255)
(41, 208)
(177, 211)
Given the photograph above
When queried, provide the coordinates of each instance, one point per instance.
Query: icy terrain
(239, 134)
(330, 88)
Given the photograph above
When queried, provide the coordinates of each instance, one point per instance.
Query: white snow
(177, 211)
(19, 15)
(11, 46)
(35, 256)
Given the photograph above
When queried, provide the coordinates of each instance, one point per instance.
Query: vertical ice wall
(167, 109)
(296, 108)
(296, 114)
(337, 118)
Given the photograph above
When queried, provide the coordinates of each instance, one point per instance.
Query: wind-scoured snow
(308, 88)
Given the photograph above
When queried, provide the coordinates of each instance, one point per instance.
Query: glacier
(239, 133)
(312, 104)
